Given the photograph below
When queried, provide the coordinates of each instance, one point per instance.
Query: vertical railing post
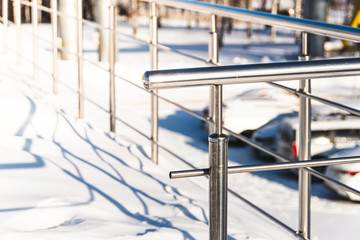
(80, 59)
(218, 183)
(5, 17)
(112, 56)
(54, 44)
(218, 148)
(17, 15)
(35, 38)
(154, 98)
(213, 58)
(274, 10)
(102, 17)
(304, 148)
(298, 8)
(68, 29)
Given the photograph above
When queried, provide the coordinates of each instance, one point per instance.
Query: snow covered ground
(65, 178)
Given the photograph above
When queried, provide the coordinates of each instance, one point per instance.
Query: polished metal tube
(274, 10)
(218, 109)
(213, 48)
(218, 160)
(102, 17)
(189, 173)
(251, 73)
(154, 36)
(154, 99)
(306, 25)
(213, 58)
(154, 128)
(298, 8)
(319, 99)
(331, 103)
(112, 57)
(35, 39)
(298, 11)
(54, 23)
(80, 59)
(304, 148)
(17, 14)
(211, 109)
(68, 33)
(267, 167)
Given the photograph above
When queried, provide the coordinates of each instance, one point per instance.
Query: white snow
(65, 178)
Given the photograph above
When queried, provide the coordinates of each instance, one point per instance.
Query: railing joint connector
(304, 57)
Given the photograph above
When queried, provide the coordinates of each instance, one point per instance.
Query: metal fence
(302, 71)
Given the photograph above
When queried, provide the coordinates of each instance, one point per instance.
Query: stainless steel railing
(224, 75)
(281, 21)
(218, 76)
(219, 144)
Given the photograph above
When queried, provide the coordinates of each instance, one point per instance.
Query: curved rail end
(146, 81)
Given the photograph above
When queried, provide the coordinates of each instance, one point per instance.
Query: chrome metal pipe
(218, 109)
(274, 10)
(154, 37)
(213, 42)
(154, 128)
(213, 58)
(298, 11)
(251, 73)
(319, 99)
(218, 160)
(17, 14)
(304, 148)
(35, 39)
(298, 8)
(112, 57)
(213, 50)
(189, 173)
(339, 184)
(299, 24)
(80, 59)
(54, 23)
(154, 99)
(68, 24)
(331, 103)
(267, 167)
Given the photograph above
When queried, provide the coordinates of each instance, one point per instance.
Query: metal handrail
(305, 25)
(148, 44)
(242, 74)
(153, 80)
(251, 73)
(242, 14)
(271, 167)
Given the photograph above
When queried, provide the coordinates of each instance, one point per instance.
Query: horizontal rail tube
(267, 167)
(298, 24)
(251, 73)
(319, 99)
